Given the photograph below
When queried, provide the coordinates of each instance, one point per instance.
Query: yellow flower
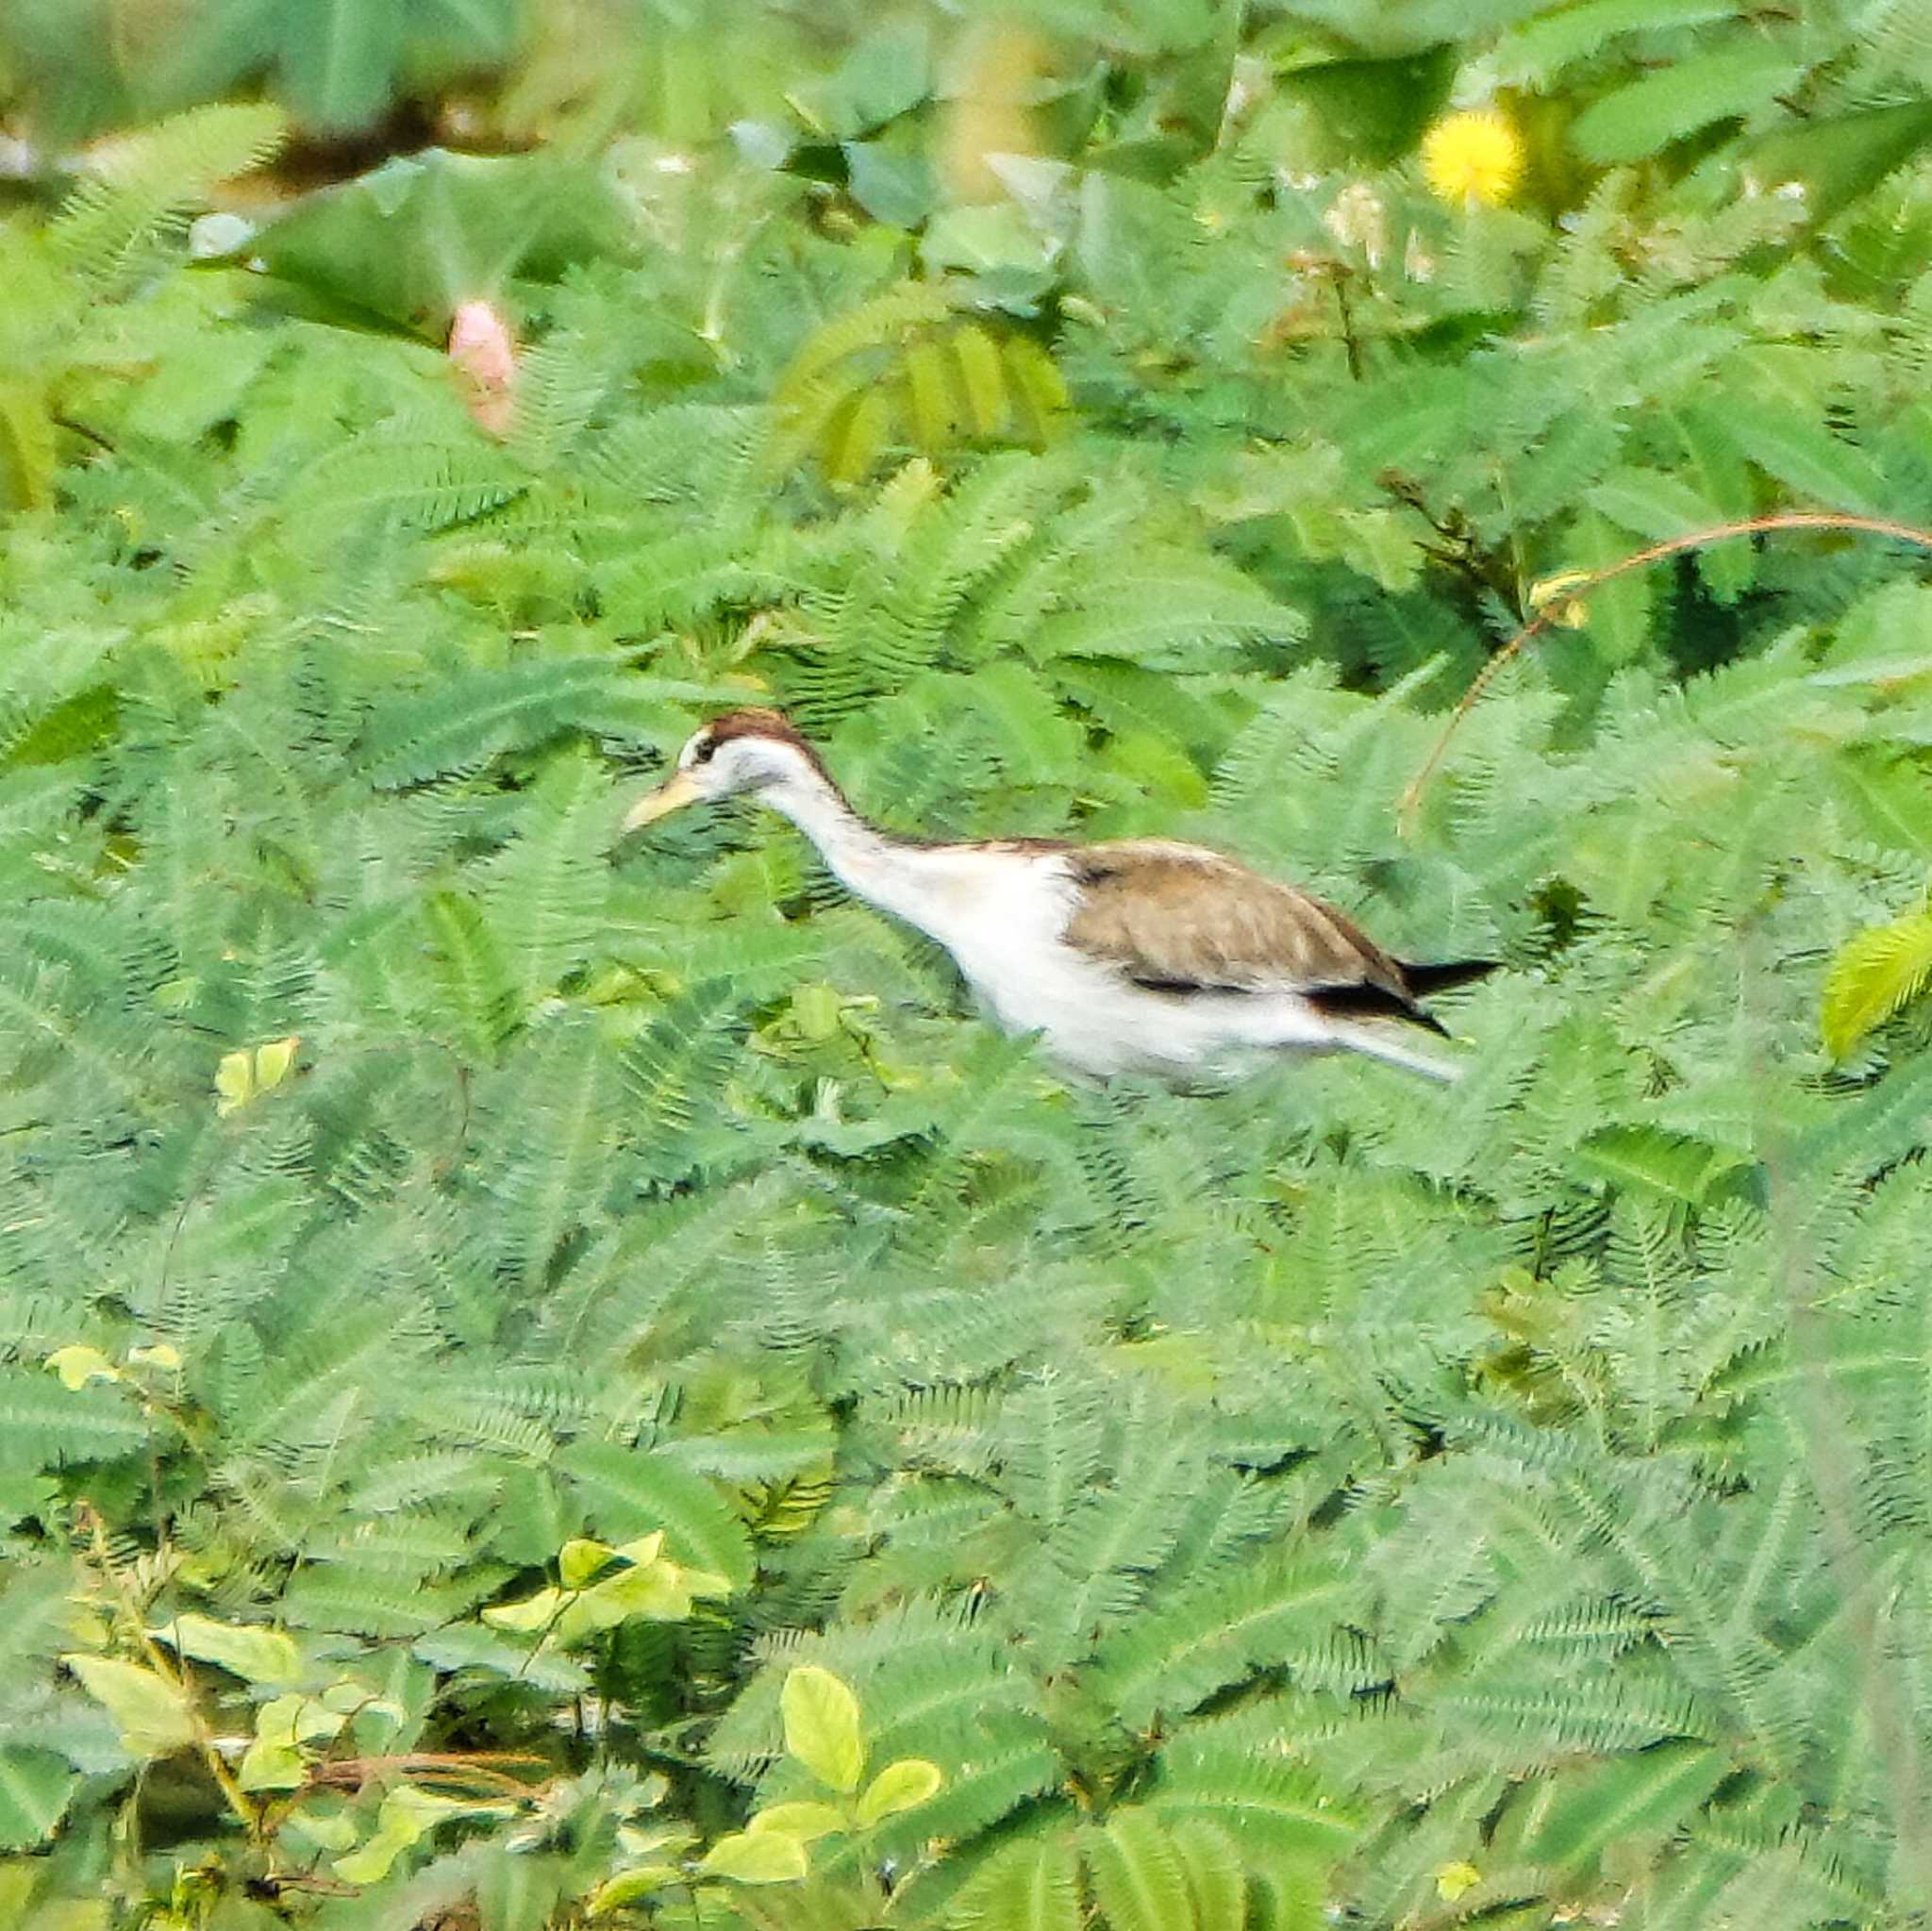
(1472, 157)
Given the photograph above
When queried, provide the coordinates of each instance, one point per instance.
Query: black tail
(1367, 1000)
(1425, 981)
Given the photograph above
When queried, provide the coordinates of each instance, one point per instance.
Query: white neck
(897, 878)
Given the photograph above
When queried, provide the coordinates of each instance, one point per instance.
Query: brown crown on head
(757, 723)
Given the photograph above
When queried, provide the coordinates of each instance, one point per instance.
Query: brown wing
(1181, 918)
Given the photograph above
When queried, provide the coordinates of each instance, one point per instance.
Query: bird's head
(756, 751)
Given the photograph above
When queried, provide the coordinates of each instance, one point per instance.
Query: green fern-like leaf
(628, 1492)
(1030, 1885)
(1139, 1881)
(1874, 974)
(145, 185)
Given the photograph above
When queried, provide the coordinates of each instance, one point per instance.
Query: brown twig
(434, 1766)
(1351, 347)
(1583, 582)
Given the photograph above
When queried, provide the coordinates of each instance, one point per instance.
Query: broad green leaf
(760, 1857)
(516, 1891)
(36, 1786)
(657, 1591)
(28, 454)
(408, 1814)
(1618, 612)
(152, 1714)
(274, 1760)
(1635, 120)
(821, 1726)
(900, 1786)
(245, 1650)
(634, 1886)
(1840, 156)
(338, 57)
(1536, 51)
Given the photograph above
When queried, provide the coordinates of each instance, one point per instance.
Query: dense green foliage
(497, 1328)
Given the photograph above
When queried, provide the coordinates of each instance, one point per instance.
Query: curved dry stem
(1583, 582)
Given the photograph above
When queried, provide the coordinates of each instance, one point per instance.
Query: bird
(1144, 957)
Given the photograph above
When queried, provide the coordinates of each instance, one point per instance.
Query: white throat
(892, 876)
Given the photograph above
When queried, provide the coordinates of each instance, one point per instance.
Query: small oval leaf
(756, 1857)
(898, 1786)
(245, 1650)
(151, 1713)
(821, 1726)
(805, 1822)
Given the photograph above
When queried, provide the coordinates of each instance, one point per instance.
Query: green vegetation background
(498, 1335)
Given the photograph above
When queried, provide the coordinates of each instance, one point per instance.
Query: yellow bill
(673, 794)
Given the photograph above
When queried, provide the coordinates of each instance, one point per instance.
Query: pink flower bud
(481, 347)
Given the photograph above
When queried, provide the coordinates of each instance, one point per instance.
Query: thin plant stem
(1583, 582)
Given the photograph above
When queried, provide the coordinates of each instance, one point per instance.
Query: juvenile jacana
(1137, 955)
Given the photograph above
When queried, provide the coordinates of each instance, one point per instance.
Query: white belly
(1002, 918)
(1002, 915)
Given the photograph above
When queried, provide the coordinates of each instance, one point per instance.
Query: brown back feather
(1184, 918)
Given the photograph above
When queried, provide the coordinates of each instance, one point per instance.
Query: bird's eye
(704, 750)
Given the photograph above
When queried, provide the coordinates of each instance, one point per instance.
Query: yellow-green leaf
(897, 1787)
(1875, 975)
(334, 1830)
(406, 1814)
(1139, 1879)
(28, 453)
(764, 1858)
(856, 435)
(1036, 376)
(815, 1009)
(260, 1655)
(1211, 1862)
(273, 1061)
(821, 1726)
(1452, 1880)
(527, 1615)
(631, 1886)
(981, 376)
(78, 1365)
(274, 1760)
(657, 1591)
(929, 396)
(151, 1713)
(580, 1560)
(234, 1082)
(160, 1355)
(805, 1822)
